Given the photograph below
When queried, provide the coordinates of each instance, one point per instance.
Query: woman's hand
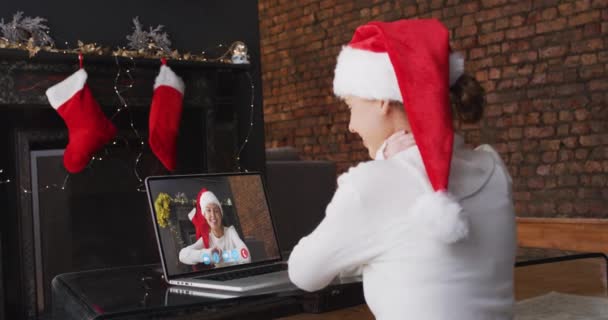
(217, 251)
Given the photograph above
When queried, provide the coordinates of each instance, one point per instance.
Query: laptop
(236, 252)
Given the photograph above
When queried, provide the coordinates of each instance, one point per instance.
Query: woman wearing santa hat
(216, 245)
(430, 223)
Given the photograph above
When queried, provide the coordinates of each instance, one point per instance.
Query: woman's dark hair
(468, 99)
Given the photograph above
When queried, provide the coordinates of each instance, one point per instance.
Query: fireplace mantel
(23, 80)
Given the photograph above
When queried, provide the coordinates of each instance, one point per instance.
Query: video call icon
(235, 255)
(244, 253)
(206, 259)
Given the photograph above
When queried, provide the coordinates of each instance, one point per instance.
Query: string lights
(2, 179)
(124, 106)
(52, 186)
(251, 116)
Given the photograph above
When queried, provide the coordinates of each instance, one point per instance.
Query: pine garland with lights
(32, 35)
(22, 30)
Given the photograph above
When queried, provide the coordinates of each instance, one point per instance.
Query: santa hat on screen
(410, 61)
(204, 198)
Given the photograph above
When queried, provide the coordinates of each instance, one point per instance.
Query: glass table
(139, 292)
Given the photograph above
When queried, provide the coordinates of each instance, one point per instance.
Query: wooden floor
(584, 277)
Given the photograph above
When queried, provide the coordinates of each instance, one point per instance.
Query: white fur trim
(441, 216)
(191, 214)
(365, 74)
(207, 198)
(456, 67)
(61, 92)
(166, 77)
(370, 75)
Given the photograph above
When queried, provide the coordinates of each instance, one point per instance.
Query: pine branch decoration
(153, 40)
(24, 30)
(139, 38)
(161, 39)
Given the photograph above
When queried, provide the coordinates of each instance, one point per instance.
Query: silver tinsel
(152, 40)
(22, 29)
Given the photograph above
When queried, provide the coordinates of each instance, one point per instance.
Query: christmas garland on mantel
(93, 49)
(32, 35)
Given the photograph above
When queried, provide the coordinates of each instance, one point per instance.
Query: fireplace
(99, 218)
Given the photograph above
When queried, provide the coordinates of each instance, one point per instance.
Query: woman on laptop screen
(216, 244)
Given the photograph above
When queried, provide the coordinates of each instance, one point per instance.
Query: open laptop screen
(208, 222)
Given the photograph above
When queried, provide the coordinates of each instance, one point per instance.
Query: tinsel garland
(162, 206)
(33, 35)
(96, 49)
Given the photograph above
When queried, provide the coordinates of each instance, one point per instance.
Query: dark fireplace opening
(99, 217)
(95, 219)
(92, 223)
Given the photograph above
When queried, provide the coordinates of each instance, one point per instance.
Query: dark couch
(299, 191)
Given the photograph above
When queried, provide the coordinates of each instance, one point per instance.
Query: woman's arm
(343, 241)
(193, 254)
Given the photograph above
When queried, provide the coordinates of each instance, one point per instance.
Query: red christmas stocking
(165, 114)
(88, 127)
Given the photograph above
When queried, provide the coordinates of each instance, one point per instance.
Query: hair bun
(468, 99)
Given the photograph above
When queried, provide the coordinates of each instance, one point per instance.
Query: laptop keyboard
(247, 273)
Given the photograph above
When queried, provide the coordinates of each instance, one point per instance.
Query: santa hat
(201, 226)
(410, 61)
(206, 197)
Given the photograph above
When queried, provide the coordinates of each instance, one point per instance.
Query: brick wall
(253, 212)
(544, 65)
